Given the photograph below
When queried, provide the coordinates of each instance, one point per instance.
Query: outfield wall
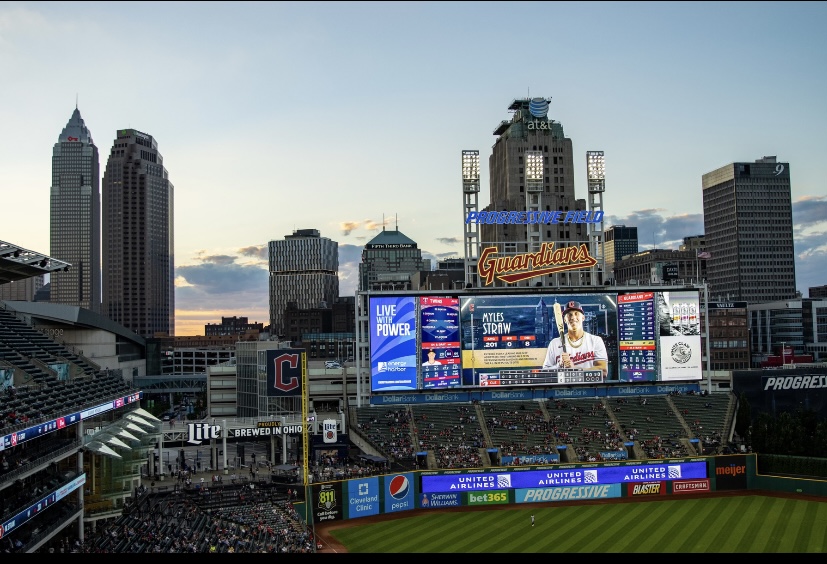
(425, 489)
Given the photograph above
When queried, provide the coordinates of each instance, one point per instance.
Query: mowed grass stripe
(699, 519)
(717, 525)
(813, 528)
(658, 524)
(769, 534)
(754, 532)
(726, 521)
(605, 521)
(494, 530)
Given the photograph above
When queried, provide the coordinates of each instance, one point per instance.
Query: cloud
(656, 231)
(219, 286)
(809, 235)
(349, 258)
(216, 259)
(256, 251)
(348, 227)
(448, 240)
(372, 225)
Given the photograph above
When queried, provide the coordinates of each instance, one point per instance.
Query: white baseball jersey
(592, 348)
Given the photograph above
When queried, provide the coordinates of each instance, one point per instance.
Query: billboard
(507, 479)
(444, 342)
(284, 372)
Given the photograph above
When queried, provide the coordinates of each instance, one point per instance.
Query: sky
(347, 116)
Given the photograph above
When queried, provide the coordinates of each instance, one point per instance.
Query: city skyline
(345, 117)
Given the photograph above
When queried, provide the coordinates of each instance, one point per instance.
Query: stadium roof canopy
(17, 263)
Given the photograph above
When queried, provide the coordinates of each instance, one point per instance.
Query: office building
(304, 274)
(531, 169)
(818, 291)
(138, 237)
(657, 266)
(22, 290)
(389, 260)
(75, 217)
(236, 326)
(619, 241)
(748, 227)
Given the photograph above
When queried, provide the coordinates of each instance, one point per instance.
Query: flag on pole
(704, 255)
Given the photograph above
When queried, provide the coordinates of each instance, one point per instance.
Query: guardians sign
(548, 260)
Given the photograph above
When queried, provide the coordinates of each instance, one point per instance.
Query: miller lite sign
(329, 430)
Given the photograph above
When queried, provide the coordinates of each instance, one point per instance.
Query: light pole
(470, 195)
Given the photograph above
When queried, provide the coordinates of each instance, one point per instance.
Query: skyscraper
(531, 169)
(620, 241)
(75, 217)
(388, 262)
(138, 242)
(748, 226)
(304, 271)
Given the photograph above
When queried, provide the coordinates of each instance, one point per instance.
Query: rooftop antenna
(397, 222)
(383, 221)
(76, 100)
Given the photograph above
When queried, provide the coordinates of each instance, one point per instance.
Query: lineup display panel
(464, 340)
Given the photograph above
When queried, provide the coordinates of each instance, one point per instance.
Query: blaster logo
(399, 487)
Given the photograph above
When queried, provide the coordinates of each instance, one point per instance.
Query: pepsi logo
(399, 487)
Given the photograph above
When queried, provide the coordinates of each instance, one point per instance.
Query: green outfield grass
(750, 523)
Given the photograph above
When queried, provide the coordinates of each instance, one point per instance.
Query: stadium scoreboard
(541, 377)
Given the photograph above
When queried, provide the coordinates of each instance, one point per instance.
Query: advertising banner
(399, 492)
(393, 358)
(284, 372)
(326, 502)
(555, 477)
(362, 497)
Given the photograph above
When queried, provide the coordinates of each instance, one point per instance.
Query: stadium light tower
(470, 195)
(596, 178)
(534, 177)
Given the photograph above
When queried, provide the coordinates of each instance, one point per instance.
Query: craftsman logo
(690, 486)
(516, 268)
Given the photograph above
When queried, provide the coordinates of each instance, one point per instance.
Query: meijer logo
(731, 470)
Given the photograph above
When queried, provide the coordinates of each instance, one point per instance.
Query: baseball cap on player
(572, 305)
